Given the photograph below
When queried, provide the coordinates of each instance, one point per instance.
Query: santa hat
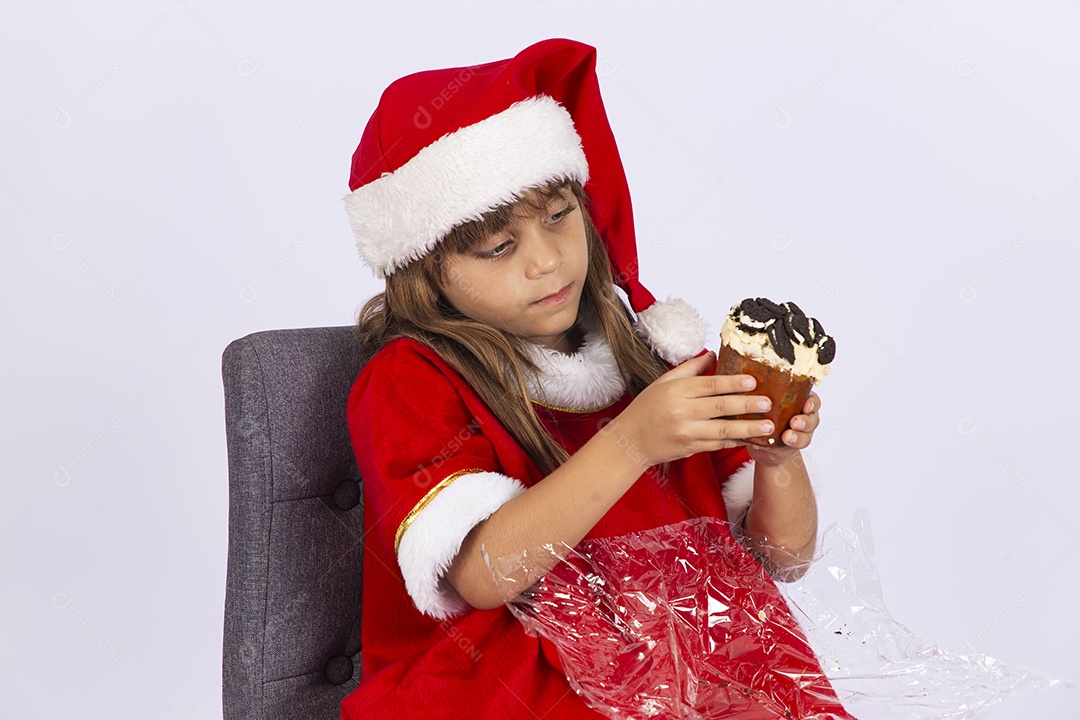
(446, 146)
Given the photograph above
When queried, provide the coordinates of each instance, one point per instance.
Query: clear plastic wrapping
(682, 622)
(880, 668)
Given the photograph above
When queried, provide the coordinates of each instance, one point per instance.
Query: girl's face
(526, 279)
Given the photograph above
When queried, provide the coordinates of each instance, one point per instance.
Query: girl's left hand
(795, 438)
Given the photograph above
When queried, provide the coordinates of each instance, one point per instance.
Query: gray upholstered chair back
(292, 601)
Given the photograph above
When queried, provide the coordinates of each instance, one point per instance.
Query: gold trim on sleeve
(426, 500)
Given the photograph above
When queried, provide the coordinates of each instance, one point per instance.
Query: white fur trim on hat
(403, 215)
(433, 539)
(586, 380)
(673, 328)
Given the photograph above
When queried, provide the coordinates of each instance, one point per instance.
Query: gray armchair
(296, 522)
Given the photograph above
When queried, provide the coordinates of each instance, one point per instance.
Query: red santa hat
(446, 146)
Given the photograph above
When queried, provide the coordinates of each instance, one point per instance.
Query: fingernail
(797, 422)
(764, 404)
(766, 427)
(748, 383)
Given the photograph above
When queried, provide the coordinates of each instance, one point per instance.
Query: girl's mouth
(555, 298)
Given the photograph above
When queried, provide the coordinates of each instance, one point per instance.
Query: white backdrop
(171, 176)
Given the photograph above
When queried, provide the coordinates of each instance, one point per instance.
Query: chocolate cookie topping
(786, 326)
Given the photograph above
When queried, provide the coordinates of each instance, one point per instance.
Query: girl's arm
(780, 526)
(678, 415)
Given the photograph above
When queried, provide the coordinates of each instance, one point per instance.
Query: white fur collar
(585, 380)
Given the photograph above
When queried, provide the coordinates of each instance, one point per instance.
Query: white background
(171, 176)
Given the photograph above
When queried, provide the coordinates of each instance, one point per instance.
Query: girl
(511, 400)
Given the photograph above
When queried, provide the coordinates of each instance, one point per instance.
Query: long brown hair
(492, 361)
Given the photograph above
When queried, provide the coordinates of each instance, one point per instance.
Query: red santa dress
(436, 462)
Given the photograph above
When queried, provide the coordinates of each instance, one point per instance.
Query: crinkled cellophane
(682, 622)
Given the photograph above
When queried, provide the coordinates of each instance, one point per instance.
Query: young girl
(511, 400)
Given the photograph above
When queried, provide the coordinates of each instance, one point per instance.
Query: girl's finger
(707, 385)
(805, 423)
(710, 435)
(736, 429)
(797, 440)
(721, 406)
(812, 404)
(691, 368)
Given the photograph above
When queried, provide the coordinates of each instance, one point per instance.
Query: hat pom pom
(673, 329)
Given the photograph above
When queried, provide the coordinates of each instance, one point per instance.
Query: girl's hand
(683, 412)
(795, 438)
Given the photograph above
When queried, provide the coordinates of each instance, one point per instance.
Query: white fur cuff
(433, 539)
(673, 328)
(738, 491)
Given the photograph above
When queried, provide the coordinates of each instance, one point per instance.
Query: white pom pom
(673, 328)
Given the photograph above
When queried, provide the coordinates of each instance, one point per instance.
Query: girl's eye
(497, 251)
(562, 213)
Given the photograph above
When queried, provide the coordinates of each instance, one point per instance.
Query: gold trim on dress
(426, 500)
(578, 411)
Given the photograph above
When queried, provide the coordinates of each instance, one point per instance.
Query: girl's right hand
(685, 412)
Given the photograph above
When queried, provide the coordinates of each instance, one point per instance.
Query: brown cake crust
(788, 392)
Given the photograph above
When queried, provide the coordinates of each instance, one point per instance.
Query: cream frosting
(747, 336)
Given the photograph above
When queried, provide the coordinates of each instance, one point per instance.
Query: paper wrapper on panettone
(788, 392)
(783, 349)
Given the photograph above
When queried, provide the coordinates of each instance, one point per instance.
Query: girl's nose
(544, 255)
